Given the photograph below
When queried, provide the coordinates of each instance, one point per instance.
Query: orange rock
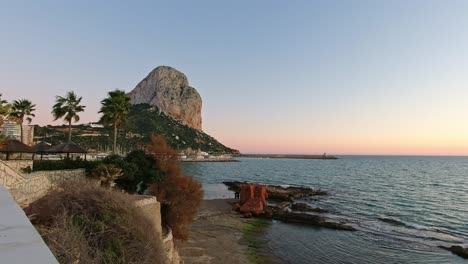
(247, 193)
(253, 199)
(236, 207)
(260, 192)
(254, 206)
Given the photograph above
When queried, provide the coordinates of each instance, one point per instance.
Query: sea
(403, 207)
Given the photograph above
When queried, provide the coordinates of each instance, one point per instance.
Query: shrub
(66, 164)
(147, 171)
(106, 174)
(167, 159)
(89, 224)
(139, 170)
(180, 196)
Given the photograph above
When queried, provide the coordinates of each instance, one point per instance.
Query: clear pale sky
(342, 77)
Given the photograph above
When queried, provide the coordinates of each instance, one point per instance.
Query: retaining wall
(26, 188)
(37, 184)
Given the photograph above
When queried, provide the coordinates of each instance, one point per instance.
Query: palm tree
(114, 111)
(21, 110)
(68, 107)
(5, 108)
(3, 105)
(4, 111)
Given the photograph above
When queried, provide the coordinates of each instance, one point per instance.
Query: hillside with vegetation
(143, 121)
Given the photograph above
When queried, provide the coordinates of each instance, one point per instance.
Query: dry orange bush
(179, 195)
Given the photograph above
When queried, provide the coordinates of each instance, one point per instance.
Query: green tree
(68, 108)
(23, 110)
(114, 111)
(4, 106)
(5, 109)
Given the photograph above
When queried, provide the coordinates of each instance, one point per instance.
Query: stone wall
(26, 188)
(37, 184)
(169, 246)
(151, 208)
(9, 176)
(17, 165)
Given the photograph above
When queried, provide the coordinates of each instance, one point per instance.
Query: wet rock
(306, 208)
(304, 218)
(253, 206)
(457, 250)
(283, 205)
(253, 203)
(280, 193)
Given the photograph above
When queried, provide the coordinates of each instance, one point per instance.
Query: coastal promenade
(19, 240)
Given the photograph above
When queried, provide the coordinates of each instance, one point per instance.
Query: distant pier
(288, 156)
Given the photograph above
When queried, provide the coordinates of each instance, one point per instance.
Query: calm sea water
(403, 207)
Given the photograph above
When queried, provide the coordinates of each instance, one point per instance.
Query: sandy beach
(215, 236)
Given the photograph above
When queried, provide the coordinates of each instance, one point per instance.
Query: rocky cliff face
(169, 90)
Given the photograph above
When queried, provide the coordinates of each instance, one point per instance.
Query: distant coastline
(288, 156)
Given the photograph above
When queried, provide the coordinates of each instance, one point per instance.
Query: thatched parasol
(69, 147)
(11, 145)
(42, 147)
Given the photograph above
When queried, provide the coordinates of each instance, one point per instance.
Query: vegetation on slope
(158, 173)
(83, 223)
(143, 121)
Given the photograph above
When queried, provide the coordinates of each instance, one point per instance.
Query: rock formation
(279, 193)
(457, 250)
(302, 207)
(253, 202)
(252, 199)
(169, 90)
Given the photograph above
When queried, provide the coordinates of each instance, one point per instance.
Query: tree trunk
(21, 129)
(69, 131)
(115, 139)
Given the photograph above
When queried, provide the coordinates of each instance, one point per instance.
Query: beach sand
(215, 236)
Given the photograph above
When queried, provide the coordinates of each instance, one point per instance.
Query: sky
(306, 77)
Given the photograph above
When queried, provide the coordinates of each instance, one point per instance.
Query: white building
(94, 125)
(13, 130)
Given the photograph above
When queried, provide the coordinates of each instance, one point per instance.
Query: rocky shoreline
(262, 201)
(279, 193)
(457, 250)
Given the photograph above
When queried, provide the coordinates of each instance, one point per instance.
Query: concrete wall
(152, 209)
(19, 240)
